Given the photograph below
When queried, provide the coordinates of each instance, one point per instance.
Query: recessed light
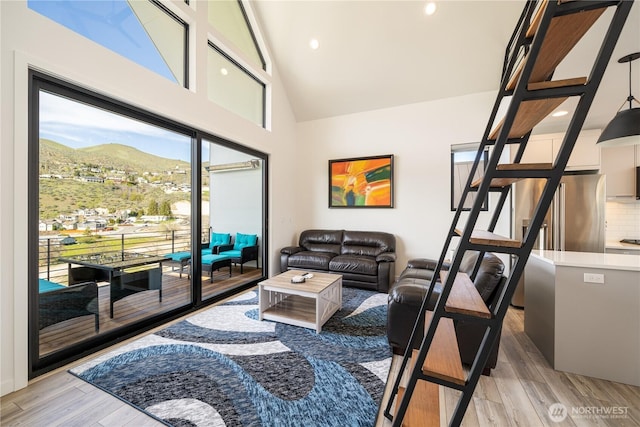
(430, 8)
(314, 44)
(224, 71)
(560, 113)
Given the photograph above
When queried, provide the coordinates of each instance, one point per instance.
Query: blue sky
(110, 23)
(78, 125)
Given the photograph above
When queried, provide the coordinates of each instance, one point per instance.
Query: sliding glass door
(126, 213)
(232, 211)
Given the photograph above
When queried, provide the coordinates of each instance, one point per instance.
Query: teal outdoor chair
(244, 249)
(215, 242)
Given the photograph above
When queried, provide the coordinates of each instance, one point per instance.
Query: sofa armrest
(290, 250)
(423, 263)
(386, 257)
(426, 264)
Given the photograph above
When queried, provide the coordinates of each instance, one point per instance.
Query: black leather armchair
(406, 295)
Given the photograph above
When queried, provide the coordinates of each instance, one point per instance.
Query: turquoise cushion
(218, 239)
(231, 254)
(46, 286)
(244, 240)
(179, 256)
(210, 259)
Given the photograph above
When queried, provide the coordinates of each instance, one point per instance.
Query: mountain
(58, 158)
(133, 158)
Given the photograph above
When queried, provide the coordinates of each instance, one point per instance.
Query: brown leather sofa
(406, 295)
(365, 259)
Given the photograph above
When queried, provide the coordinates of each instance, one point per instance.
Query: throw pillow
(245, 240)
(220, 239)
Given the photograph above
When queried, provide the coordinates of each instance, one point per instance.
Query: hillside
(123, 157)
(63, 196)
(58, 158)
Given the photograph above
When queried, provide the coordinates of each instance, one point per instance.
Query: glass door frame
(38, 81)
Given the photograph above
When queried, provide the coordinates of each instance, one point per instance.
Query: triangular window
(144, 32)
(230, 19)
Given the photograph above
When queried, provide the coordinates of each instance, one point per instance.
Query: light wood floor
(523, 386)
(518, 393)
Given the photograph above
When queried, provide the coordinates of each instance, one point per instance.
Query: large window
(152, 34)
(122, 214)
(462, 158)
(230, 19)
(234, 88)
(145, 32)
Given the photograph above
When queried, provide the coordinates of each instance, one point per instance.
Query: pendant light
(624, 129)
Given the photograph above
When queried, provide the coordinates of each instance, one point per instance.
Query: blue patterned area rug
(224, 367)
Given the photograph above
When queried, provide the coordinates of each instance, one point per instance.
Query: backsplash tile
(623, 221)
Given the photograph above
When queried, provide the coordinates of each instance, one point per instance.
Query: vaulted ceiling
(378, 54)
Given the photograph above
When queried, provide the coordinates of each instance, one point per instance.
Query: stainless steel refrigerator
(575, 220)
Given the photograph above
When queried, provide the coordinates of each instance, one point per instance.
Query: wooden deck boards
(175, 293)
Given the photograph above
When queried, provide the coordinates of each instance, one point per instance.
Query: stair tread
(524, 166)
(503, 182)
(530, 113)
(563, 34)
(424, 407)
(482, 237)
(464, 297)
(443, 359)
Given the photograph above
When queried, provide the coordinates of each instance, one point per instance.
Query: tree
(165, 208)
(153, 208)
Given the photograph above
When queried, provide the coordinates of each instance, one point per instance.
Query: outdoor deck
(175, 293)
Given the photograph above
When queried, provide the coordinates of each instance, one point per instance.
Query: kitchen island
(583, 312)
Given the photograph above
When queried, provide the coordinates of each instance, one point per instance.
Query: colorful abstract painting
(364, 182)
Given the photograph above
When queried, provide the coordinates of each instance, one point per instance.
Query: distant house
(49, 225)
(70, 225)
(92, 179)
(94, 224)
(153, 218)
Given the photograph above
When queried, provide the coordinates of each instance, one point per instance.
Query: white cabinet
(618, 164)
(585, 154)
(539, 149)
(544, 148)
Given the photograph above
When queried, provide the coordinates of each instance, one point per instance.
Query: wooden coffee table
(309, 304)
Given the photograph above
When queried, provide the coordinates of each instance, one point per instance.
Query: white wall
(623, 220)
(28, 39)
(236, 196)
(420, 137)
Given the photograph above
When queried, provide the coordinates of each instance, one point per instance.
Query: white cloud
(58, 111)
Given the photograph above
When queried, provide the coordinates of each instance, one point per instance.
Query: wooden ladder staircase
(545, 33)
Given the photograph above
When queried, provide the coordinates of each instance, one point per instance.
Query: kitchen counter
(616, 245)
(582, 311)
(590, 260)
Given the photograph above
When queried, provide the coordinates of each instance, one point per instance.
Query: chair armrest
(290, 250)
(249, 251)
(386, 257)
(223, 248)
(424, 263)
